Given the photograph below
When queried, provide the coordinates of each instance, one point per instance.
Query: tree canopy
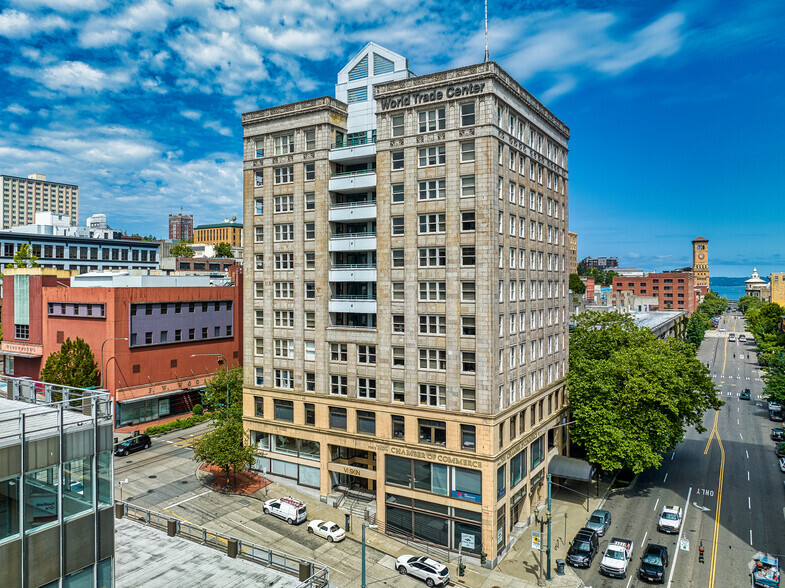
(226, 447)
(73, 365)
(223, 250)
(631, 394)
(601, 277)
(576, 284)
(774, 377)
(24, 257)
(712, 305)
(182, 249)
(215, 393)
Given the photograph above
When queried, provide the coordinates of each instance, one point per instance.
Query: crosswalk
(734, 393)
(724, 377)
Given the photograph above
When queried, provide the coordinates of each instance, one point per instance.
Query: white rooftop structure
(137, 279)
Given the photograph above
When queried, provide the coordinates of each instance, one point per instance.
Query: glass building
(56, 495)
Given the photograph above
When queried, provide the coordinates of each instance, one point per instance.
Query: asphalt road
(727, 481)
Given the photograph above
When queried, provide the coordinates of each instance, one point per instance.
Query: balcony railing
(356, 172)
(342, 266)
(353, 297)
(354, 203)
(353, 235)
(354, 141)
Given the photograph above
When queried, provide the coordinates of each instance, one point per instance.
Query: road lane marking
(673, 455)
(742, 438)
(656, 503)
(750, 536)
(629, 581)
(678, 541)
(748, 453)
(666, 478)
(186, 500)
(713, 570)
(748, 475)
(749, 503)
(644, 539)
(713, 432)
(737, 421)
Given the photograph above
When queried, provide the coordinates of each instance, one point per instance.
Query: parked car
(289, 509)
(616, 558)
(133, 444)
(599, 521)
(766, 572)
(653, 563)
(776, 415)
(782, 464)
(774, 405)
(583, 548)
(327, 529)
(778, 434)
(670, 519)
(780, 449)
(742, 338)
(745, 394)
(429, 570)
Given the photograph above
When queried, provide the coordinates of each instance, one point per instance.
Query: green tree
(73, 365)
(181, 249)
(215, 393)
(775, 379)
(696, 328)
(24, 257)
(748, 302)
(576, 284)
(227, 447)
(712, 304)
(632, 395)
(223, 250)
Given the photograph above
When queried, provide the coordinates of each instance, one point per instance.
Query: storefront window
(283, 444)
(309, 476)
(517, 468)
(309, 450)
(501, 487)
(41, 506)
(77, 486)
(261, 440)
(398, 471)
(467, 484)
(537, 452)
(9, 508)
(468, 536)
(431, 528)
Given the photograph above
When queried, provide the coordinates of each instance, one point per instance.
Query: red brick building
(673, 290)
(148, 326)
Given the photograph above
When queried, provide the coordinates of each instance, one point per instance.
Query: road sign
(684, 544)
(536, 540)
(467, 540)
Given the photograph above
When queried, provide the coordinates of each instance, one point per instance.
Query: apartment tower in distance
(23, 197)
(181, 227)
(407, 341)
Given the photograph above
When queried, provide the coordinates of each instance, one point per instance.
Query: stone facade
(700, 263)
(468, 351)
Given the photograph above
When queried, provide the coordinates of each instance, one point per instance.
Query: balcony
(353, 241)
(363, 180)
(353, 273)
(353, 211)
(353, 151)
(356, 304)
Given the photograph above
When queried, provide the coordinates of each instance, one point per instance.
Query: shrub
(177, 424)
(198, 409)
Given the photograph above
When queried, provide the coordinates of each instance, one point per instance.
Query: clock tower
(700, 262)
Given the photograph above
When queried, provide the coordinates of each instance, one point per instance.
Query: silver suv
(424, 568)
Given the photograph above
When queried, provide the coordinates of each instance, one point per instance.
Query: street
(726, 480)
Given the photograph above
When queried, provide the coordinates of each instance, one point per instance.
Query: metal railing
(353, 297)
(266, 556)
(353, 203)
(355, 172)
(343, 266)
(353, 235)
(355, 141)
(400, 535)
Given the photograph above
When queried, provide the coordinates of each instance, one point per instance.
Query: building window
(21, 331)
(283, 290)
(310, 171)
(398, 427)
(310, 140)
(284, 144)
(432, 432)
(433, 291)
(366, 354)
(310, 414)
(398, 126)
(284, 261)
(432, 257)
(433, 395)
(467, 151)
(310, 350)
(258, 403)
(433, 359)
(468, 365)
(337, 418)
(366, 388)
(310, 260)
(284, 175)
(284, 379)
(431, 190)
(431, 223)
(259, 347)
(283, 318)
(283, 203)
(468, 222)
(397, 225)
(468, 438)
(430, 156)
(258, 234)
(366, 422)
(398, 258)
(310, 381)
(433, 324)
(284, 410)
(397, 193)
(468, 257)
(310, 320)
(467, 186)
(284, 232)
(338, 385)
(338, 352)
(468, 291)
(397, 160)
(398, 291)
(467, 114)
(398, 391)
(259, 177)
(432, 120)
(310, 290)
(399, 356)
(284, 348)
(398, 323)
(468, 328)
(310, 201)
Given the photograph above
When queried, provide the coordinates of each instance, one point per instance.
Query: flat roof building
(673, 290)
(23, 197)
(181, 227)
(225, 232)
(406, 338)
(56, 485)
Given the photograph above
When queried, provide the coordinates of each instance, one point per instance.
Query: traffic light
(461, 569)
(483, 558)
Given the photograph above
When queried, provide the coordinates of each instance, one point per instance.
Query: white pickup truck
(616, 558)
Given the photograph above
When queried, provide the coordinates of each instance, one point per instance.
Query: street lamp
(102, 355)
(226, 363)
(362, 578)
(121, 482)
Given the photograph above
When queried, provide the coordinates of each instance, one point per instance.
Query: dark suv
(132, 444)
(653, 563)
(583, 548)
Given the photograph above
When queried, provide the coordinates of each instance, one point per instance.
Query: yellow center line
(713, 432)
(717, 519)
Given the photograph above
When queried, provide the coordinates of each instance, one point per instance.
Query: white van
(289, 509)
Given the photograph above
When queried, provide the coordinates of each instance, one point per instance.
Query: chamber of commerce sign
(433, 96)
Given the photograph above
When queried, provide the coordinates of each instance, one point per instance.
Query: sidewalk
(519, 568)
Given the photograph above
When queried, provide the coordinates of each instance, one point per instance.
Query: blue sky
(676, 109)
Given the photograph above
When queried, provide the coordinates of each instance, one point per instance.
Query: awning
(20, 354)
(571, 468)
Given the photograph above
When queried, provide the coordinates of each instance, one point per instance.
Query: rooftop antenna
(486, 31)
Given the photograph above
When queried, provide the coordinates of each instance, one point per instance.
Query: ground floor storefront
(146, 410)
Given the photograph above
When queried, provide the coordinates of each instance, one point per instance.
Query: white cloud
(20, 25)
(67, 6)
(215, 125)
(191, 114)
(76, 77)
(17, 109)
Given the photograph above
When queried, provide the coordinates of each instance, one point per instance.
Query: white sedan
(327, 529)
